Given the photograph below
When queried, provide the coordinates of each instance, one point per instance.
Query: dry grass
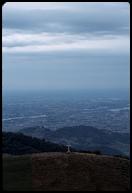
(86, 172)
(65, 172)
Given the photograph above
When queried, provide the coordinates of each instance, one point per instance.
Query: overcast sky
(66, 45)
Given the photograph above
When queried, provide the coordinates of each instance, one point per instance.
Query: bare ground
(79, 172)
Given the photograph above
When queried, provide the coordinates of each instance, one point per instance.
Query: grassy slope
(61, 171)
(17, 172)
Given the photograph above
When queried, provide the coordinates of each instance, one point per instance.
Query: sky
(65, 45)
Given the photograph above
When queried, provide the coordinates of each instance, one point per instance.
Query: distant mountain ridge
(84, 138)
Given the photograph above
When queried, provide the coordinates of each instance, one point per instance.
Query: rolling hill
(85, 138)
(19, 144)
(32, 164)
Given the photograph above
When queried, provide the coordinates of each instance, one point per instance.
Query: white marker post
(68, 150)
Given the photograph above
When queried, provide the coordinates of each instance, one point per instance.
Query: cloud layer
(44, 42)
(61, 34)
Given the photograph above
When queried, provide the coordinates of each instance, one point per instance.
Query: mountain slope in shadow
(85, 138)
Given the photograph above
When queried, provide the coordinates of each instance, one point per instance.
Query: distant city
(55, 110)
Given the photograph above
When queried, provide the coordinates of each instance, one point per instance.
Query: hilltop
(30, 163)
(62, 171)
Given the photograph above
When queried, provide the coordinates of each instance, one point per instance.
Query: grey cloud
(102, 19)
